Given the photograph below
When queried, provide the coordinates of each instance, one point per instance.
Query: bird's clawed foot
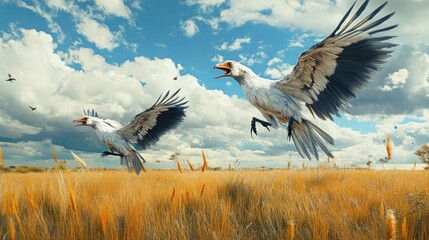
(253, 125)
(106, 153)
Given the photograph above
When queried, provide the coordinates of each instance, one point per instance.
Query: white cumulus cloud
(279, 71)
(250, 59)
(57, 4)
(97, 33)
(217, 59)
(114, 7)
(396, 80)
(205, 5)
(189, 28)
(234, 46)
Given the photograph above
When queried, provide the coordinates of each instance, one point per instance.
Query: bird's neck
(104, 127)
(246, 75)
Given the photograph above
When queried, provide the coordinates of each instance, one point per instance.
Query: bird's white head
(91, 119)
(87, 121)
(235, 70)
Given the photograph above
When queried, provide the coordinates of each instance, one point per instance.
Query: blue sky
(69, 55)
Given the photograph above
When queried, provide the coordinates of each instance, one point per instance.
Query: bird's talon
(104, 154)
(253, 127)
(253, 130)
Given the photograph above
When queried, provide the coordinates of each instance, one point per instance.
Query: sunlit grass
(1, 158)
(278, 204)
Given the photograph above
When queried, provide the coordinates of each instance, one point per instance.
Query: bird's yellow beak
(81, 120)
(225, 67)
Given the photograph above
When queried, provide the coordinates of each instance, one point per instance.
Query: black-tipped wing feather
(147, 127)
(332, 71)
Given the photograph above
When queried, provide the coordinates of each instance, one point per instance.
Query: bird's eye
(229, 64)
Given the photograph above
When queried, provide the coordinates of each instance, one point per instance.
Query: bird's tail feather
(135, 160)
(307, 137)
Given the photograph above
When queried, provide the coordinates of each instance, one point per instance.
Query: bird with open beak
(325, 78)
(144, 129)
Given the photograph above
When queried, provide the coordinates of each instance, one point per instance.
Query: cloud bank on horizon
(69, 55)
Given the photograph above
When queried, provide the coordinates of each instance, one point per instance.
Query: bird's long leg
(253, 125)
(106, 153)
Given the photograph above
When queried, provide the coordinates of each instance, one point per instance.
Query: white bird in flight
(325, 78)
(144, 129)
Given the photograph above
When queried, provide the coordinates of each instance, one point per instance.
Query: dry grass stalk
(389, 146)
(382, 210)
(229, 167)
(14, 208)
(11, 226)
(103, 219)
(404, 228)
(72, 199)
(178, 166)
(173, 194)
(202, 189)
(79, 160)
(291, 230)
(54, 157)
(1, 158)
(391, 224)
(204, 161)
(190, 165)
(188, 197)
(182, 202)
(30, 199)
(414, 165)
(288, 165)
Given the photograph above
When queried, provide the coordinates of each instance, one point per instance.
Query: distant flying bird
(32, 108)
(175, 78)
(325, 78)
(10, 79)
(144, 129)
(396, 127)
(143, 83)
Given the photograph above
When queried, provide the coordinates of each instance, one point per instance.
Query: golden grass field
(275, 204)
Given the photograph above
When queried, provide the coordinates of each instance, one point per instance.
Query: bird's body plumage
(108, 136)
(270, 101)
(324, 79)
(144, 129)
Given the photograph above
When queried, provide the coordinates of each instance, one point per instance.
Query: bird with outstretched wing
(145, 129)
(10, 78)
(324, 79)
